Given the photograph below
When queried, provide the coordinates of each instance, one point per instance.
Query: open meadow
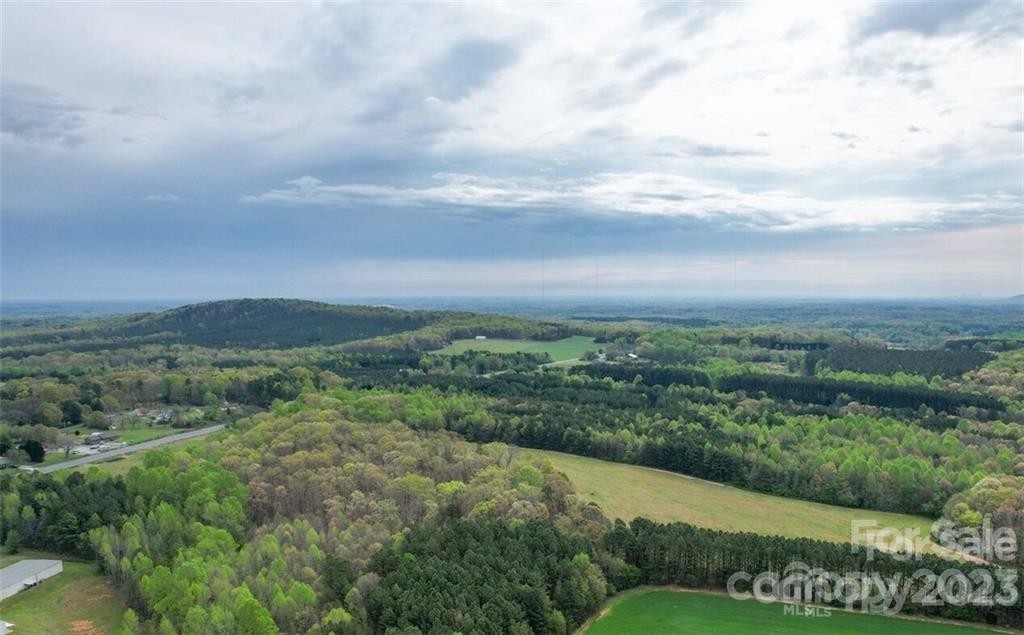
(658, 612)
(627, 491)
(570, 348)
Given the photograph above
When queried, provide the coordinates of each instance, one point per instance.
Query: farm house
(26, 573)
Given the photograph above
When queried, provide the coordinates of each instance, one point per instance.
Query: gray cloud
(662, 71)
(689, 17)
(336, 41)
(925, 17)
(846, 136)
(468, 66)
(36, 113)
(413, 103)
(625, 90)
(236, 95)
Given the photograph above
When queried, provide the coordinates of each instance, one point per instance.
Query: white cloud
(163, 198)
(655, 194)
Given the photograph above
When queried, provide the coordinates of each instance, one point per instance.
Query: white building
(26, 573)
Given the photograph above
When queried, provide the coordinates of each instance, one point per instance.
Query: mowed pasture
(654, 612)
(627, 491)
(77, 600)
(570, 348)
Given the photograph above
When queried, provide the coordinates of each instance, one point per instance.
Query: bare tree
(66, 442)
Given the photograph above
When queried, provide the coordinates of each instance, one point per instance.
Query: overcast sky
(762, 149)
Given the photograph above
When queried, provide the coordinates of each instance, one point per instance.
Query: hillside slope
(280, 323)
(274, 323)
(626, 491)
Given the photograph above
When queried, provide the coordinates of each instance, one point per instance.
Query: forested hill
(242, 323)
(278, 323)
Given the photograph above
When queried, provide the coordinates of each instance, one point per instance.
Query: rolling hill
(274, 323)
(280, 323)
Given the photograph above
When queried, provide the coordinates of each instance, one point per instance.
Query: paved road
(128, 449)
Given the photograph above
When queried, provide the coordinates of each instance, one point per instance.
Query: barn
(26, 573)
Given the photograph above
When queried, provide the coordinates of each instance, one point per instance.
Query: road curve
(129, 449)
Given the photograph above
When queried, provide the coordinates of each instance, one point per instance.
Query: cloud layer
(655, 194)
(717, 124)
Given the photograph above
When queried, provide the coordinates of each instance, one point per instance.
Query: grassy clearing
(119, 465)
(124, 435)
(132, 436)
(674, 611)
(570, 348)
(77, 600)
(627, 491)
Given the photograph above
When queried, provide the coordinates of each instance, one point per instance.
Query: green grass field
(570, 348)
(654, 612)
(143, 433)
(627, 491)
(77, 600)
(127, 435)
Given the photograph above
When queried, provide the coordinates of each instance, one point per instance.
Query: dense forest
(297, 521)
(283, 521)
(929, 363)
(825, 391)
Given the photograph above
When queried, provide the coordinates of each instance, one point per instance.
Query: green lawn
(654, 612)
(570, 348)
(126, 435)
(143, 433)
(627, 491)
(77, 600)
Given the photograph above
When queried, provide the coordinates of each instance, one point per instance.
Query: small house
(100, 437)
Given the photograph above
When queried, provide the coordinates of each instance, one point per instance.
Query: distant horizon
(536, 300)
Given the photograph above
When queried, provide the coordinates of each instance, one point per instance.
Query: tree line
(887, 361)
(684, 555)
(826, 391)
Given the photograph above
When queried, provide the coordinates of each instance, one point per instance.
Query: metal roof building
(26, 573)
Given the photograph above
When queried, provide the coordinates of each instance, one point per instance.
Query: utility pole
(542, 274)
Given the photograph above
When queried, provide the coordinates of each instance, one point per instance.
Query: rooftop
(23, 569)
